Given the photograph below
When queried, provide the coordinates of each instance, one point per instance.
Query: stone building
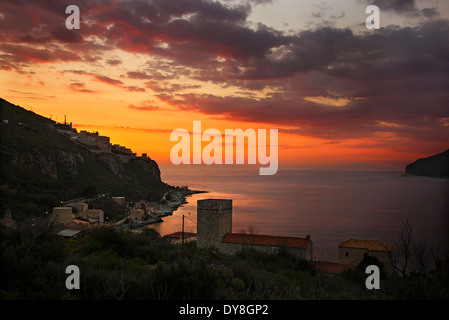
(81, 207)
(214, 229)
(137, 214)
(8, 221)
(93, 215)
(353, 251)
(300, 247)
(62, 215)
(119, 200)
(214, 220)
(94, 139)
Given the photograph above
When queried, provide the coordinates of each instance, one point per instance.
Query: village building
(137, 214)
(62, 215)
(94, 139)
(116, 148)
(81, 207)
(103, 142)
(87, 138)
(7, 220)
(145, 206)
(152, 207)
(93, 215)
(214, 229)
(119, 200)
(353, 251)
(69, 233)
(300, 247)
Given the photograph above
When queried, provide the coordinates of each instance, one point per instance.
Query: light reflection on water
(330, 206)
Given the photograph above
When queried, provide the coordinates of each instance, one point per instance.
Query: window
(347, 253)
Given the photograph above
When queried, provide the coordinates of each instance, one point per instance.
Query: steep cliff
(433, 166)
(41, 166)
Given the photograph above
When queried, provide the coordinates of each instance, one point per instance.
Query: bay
(330, 206)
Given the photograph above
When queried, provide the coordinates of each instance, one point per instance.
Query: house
(81, 207)
(69, 233)
(137, 214)
(62, 215)
(300, 247)
(87, 138)
(94, 215)
(140, 205)
(122, 150)
(7, 220)
(214, 229)
(353, 251)
(94, 139)
(119, 200)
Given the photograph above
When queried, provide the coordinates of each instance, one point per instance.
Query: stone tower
(214, 218)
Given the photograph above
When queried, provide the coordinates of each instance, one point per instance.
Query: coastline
(173, 199)
(168, 204)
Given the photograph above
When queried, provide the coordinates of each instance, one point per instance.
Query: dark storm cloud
(398, 76)
(396, 5)
(406, 7)
(201, 29)
(394, 80)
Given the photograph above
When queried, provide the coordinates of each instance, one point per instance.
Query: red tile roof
(264, 240)
(372, 245)
(93, 210)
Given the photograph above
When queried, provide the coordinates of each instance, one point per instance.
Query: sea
(329, 206)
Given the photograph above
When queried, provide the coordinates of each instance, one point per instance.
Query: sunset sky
(138, 69)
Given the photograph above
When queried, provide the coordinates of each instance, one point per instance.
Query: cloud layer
(391, 84)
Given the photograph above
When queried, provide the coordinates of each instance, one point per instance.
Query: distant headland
(434, 166)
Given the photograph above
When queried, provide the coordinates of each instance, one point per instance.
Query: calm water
(330, 206)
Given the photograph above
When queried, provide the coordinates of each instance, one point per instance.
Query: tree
(402, 253)
(123, 284)
(423, 255)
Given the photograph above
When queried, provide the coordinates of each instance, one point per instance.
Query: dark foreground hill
(433, 166)
(40, 167)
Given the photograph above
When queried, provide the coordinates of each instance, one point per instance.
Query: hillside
(433, 166)
(117, 264)
(41, 165)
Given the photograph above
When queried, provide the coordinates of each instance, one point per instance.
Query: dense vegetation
(124, 265)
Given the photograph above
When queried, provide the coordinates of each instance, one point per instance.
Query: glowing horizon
(137, 70)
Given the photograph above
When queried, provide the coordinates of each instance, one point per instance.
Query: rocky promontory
(433, 166)
(43, 163)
